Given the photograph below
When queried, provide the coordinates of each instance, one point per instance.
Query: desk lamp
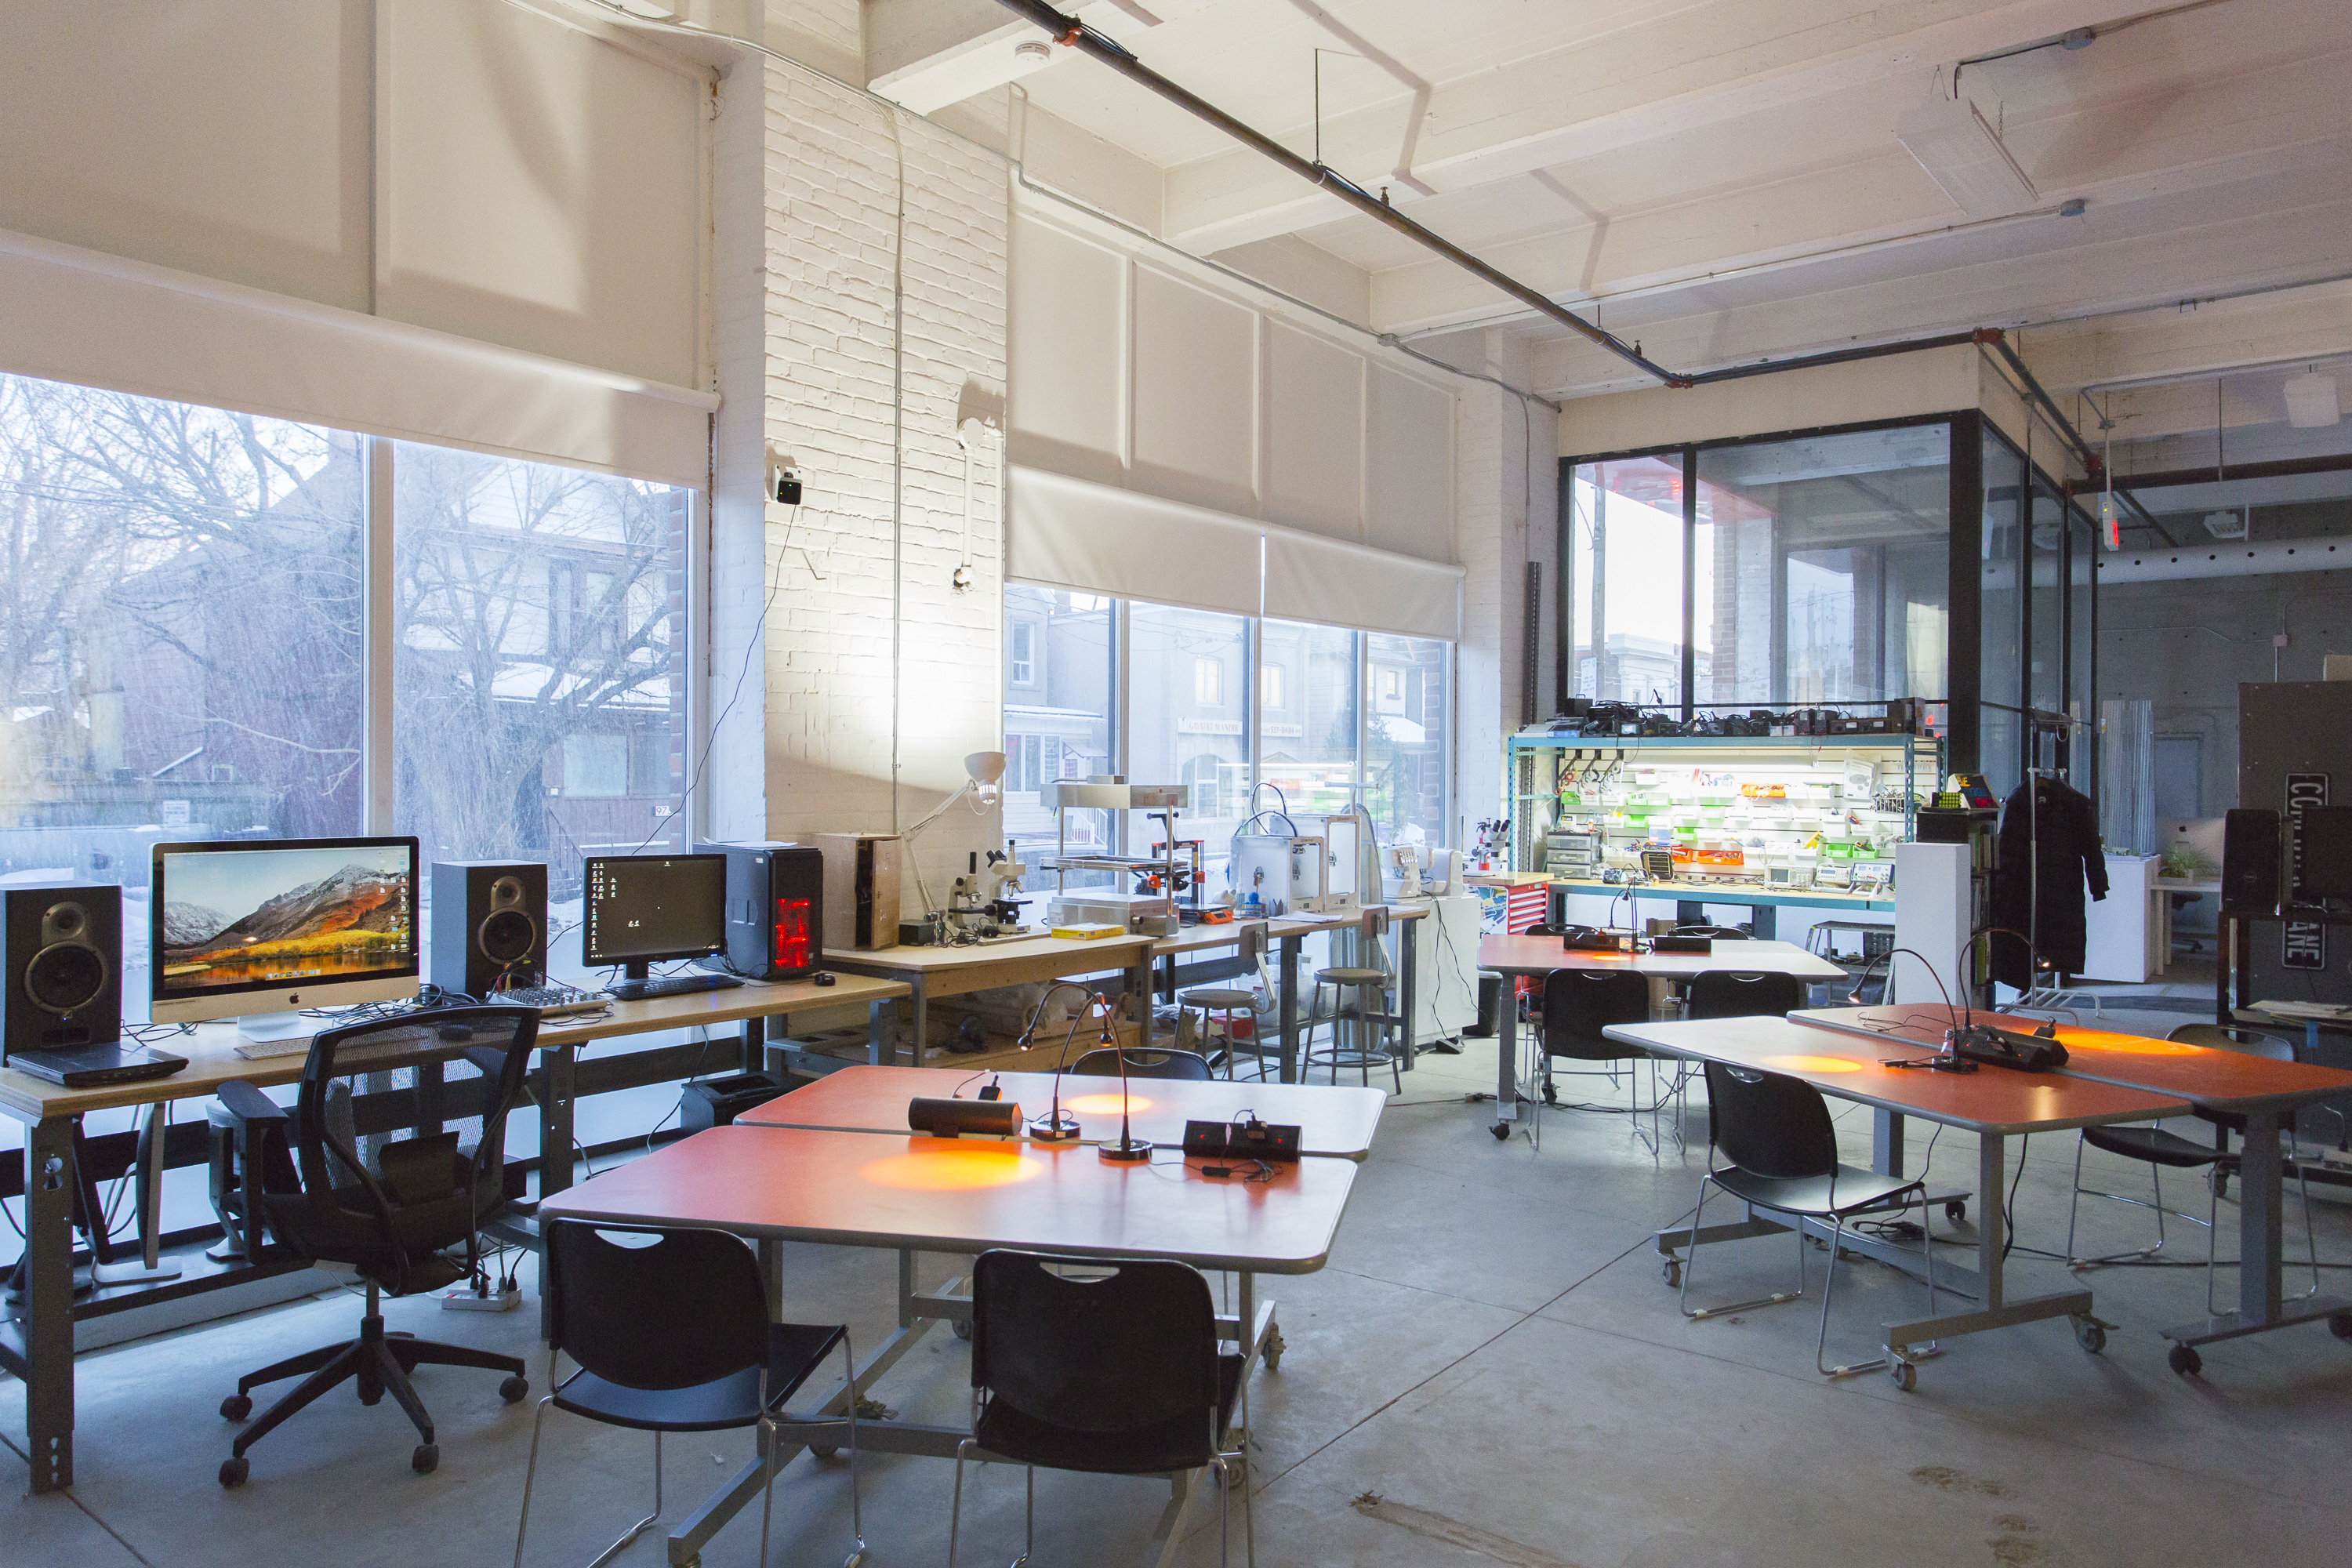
(982, 771)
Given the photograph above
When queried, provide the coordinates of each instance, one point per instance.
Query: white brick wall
(805, 337)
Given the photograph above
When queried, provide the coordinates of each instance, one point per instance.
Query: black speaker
(63, 989)
(2249, 862)
(776, 909)
(490, 924)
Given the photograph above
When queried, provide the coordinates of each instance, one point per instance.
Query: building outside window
(1058, 691)
(1270, 686)
(1180, 728)
(1209, 682)
(1021, 662)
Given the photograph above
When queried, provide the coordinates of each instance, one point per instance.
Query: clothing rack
(2057, 728)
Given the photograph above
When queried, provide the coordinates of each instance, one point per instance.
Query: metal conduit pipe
(2092, 462)
(1074, 34)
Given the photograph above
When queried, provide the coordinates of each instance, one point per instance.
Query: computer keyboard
(553, 1001)
(670, 985)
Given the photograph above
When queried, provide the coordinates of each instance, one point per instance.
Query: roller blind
(1331, 581)
(1087, 538)
(82, 316)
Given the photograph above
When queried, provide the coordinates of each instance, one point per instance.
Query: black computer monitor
(2324, 853)
(653, 909)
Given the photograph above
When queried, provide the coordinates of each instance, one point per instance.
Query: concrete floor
(1491, 1371)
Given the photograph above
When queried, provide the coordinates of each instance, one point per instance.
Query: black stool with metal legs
(1228, 1002)
(1371, 986)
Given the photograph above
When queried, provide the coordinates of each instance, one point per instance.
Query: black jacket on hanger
(2068, 855)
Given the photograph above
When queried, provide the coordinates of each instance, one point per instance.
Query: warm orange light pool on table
(1811, 1064)
(1106, 1104)
(953, 1170)
(2136, 1044)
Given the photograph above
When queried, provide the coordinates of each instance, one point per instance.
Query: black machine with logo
(489, 926)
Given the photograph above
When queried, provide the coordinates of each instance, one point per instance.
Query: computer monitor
(2324, 852)
(257, 928)
(652, 909)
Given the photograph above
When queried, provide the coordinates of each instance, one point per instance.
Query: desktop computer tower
(2249, 862)
(490, 920)
(861, 889)
(776, 909)
(62, 988)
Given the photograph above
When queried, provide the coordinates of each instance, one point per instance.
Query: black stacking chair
(1715, 934)
(393, 1210)
(1737, 994)
(1782, 1156)
(1147, 1061)
(1109, 1367)
(1578, 1003)
(2162, 1151)
(669, 1326)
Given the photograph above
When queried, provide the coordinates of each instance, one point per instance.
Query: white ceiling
(1722, 176)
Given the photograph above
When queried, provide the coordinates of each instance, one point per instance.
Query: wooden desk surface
(2220, 1079)
(1193, 939)
(1332, 1120)
(212, 1059)
(1543, 954)
(955, 971)
(968, 1194)
(1992, 1099)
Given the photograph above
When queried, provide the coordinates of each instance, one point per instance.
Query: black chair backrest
(1769, 1125)
(1151, 1061)
(1128, 1344)
(1543, 928)
(1736, 994)
(1714, 933)
(687, 1309)
(1578, 1003)
(419, 1193)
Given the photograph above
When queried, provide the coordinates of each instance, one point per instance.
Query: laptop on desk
(96, 1067)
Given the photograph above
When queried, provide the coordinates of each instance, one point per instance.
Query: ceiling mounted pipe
(1076, 35)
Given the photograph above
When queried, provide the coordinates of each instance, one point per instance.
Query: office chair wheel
(514, 1388)
(236, 1407)
(2220, 1181)
(961, 1327)
(1905, 1375)
(233, 1471)
(427, 1459)
(1502, 1131)
(823, 1450)
(2091, 1335)
(1956, 1211)
(2185, 1359)
(2340, 1325)
(1673, 1270)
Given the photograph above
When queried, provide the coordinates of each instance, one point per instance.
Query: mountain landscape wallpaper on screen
(355, 918)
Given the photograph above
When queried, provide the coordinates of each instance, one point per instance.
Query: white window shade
(1334, 583)
(1096, 539)
(82, 316)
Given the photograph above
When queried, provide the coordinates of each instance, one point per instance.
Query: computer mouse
(822, 977)
(456, 1031)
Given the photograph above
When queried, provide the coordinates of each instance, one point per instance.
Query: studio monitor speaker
(490, 925)
(2251, 856)
(63, 988)
(776, 909)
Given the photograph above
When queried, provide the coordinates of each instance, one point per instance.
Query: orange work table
(1333, 1119)
(1995, 1103)
(2265, 1092)
(964, 1195)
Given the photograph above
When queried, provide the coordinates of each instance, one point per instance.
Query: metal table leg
(918, 1006)
(1507, 1052)
(1409, 945)
(2261, 1301)
(48, 1324)
(1290, 944)
(880, 1019)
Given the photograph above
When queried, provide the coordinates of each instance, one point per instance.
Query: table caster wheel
(1673, 1270)
(1905, 1375)
(426, 1461)
(236, 1407)
(234, 1471)
(1956, 1211)
(2184, 1360)
(2090, 1334)
(1502, 1131)
(823, 1450)
(1273, 1348)
(514, 1388)
(2340, 1325)
(2221, 1182)
(960, 1326)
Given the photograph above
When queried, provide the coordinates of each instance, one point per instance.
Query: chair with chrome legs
(1783, 1156)
(1228, 1002)
(1370, 981)
(1113, 1367)
(668, 1326)
(2162, 1151)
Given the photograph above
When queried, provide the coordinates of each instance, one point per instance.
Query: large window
(1311, 752)
(1406, 738)
(1625, 579)
(1058, 667)
(1181, 728)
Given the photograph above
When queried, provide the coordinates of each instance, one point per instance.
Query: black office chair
(393, 1212)
(669, 1330)
(1109, 1367)
(1151, 1061)
(1578, 1003)
(2160, 1151)
(1776, 1133)
(1715, 934)
(1738, 993)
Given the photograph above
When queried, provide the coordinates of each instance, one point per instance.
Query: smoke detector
(2312, 402)
(2227, 524)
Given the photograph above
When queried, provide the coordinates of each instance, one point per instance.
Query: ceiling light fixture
(2311, 401)
(2228, 524)
(1965, 157)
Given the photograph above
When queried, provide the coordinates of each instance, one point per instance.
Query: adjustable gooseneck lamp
(982, 771)
(1130, 1149)
(1054, 1127)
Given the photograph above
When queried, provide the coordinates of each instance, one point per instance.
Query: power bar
(462, 1298)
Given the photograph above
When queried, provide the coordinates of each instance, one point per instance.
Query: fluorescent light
(2311, 400)
(1965, 158)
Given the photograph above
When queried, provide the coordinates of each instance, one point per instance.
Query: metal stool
(1225, 1001)
(1372, 986)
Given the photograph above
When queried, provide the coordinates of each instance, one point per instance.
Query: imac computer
(644, 910)
(257, 929)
